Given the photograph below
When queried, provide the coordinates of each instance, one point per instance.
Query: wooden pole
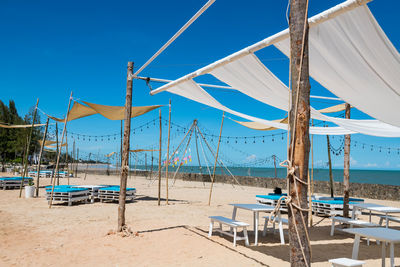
(87, 166)
(168, 159)
(145, 161)
(59, 151)
(120, 148)
(27, 149)
(216, 158)
(77, 164)
(152, 158)
(40, 157)
(125, 152)
(275, 165)
(328, 143)
(311, 182)
(299, 118)
(55, 173)
(73, 159)
(159, 163)
(346, 169)
(66, 154)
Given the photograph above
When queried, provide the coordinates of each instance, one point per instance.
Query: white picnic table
(256, 209)
(376, 208)
(379, 233)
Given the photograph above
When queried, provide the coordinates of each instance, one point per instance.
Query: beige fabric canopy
(20, 126)
(110, 112)
(118, 112)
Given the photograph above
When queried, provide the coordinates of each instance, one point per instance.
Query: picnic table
(379, 233)
(256, 209)
(376, 208)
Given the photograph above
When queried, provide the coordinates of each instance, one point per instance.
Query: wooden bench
(390, 218)
(280, 222)
(345, 262)
(233, 225)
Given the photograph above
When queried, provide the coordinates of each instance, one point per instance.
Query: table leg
(370, 213)
(392, 254)
(383, 253)
(233, 217)
(356, 246)
(255, 227)
(353, 215)
(387, 221)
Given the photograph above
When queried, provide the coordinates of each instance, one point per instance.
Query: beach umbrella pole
(27, 149)
(40, 157)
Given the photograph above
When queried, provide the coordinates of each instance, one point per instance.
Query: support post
(87, 166)
(77, 164)
(55, 173)
(27, 149)
(66, 153)
(216, 159)
(120, 149)
(159, 163)
(346, 169)
(125, 154)
(60, 149)
(299, 149)
(311, 183)
(274, 156)
(328, 143)
(168, 159)
(40, 157)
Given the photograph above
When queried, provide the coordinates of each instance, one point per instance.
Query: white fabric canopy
(351, 56)
(189, 89)
(249, 76)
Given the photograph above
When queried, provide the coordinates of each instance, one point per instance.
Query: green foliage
(13, 141)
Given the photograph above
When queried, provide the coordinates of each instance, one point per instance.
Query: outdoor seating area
(85, 193)
(13, 182)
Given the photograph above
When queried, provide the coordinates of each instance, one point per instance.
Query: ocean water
(388, 177)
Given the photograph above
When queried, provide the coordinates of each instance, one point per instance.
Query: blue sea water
(387, 177)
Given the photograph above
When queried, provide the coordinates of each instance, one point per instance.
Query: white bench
(233, 225)
(345, 262)
(390, 218)
(280, 222)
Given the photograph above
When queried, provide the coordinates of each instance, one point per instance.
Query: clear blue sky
(49, 48)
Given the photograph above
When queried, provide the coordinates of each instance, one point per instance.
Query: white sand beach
(31, 234)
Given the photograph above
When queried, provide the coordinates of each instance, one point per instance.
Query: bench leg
(333, 227)
(220, 228)
(391, 254)
(383, 253)
(265, 227)
(246, 241)
(234, 236)
(281, 232)
(211, 229)
(381, 221)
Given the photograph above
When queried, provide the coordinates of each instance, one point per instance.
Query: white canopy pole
(313, 21)
(204, 8)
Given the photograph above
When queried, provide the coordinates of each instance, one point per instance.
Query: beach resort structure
(343, 48)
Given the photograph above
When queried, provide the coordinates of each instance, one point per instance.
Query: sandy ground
(31, 234)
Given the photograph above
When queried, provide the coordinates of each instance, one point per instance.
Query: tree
(299, 118)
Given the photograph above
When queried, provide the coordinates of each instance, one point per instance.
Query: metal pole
(159, 163)
(168, 159)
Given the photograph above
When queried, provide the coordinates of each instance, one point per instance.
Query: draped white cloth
(249, 76)
(351, 56)
(189, 89)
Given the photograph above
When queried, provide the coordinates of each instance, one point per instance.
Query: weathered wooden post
(40, 157)
(27, 149)
(216, 158)
(159, 163)
(60, 149)
(346, 169)
(299, 149)
(125, 154)
(330, 165)
(168, 159)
